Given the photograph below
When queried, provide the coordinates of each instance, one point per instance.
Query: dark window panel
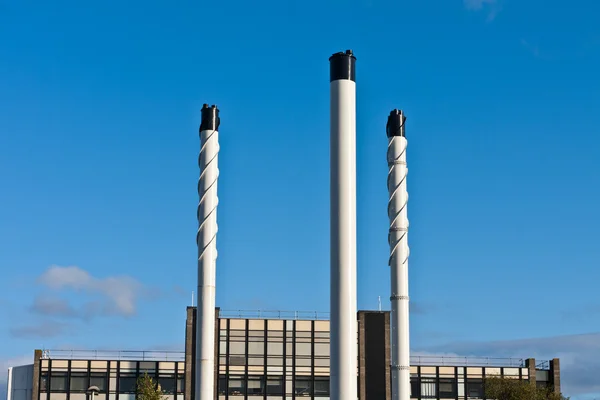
(448, 389)
(79, 382)
(321, 386)
(58, 382)
(98, 379)
(222, 385)
(167, 383)
(415, 388)
(275, 386)
(474, 388)
(127, 384)
(44, 382)
(303, 386)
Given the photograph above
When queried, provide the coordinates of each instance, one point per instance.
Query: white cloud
(579, 357)
(116, 295)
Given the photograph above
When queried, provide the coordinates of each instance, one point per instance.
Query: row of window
(444, 388)
(81, 381)
(272, 385)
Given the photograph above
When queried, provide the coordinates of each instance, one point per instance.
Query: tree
(499, 388)
(148, 389)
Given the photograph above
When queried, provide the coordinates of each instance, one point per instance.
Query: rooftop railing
(466, 361)
(156, 355)
(274, 314)
(123, 355)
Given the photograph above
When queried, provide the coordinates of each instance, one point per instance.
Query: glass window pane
(222, 387)
(127, 384)
(303, 386)
(447, 388)
(322, 386)
(180, 383)
(414, 387)
(428, 388)
(256, 385)
(44, 382)
(275, 386)
(79, 382)
(167, 383)
(58, 382)
(475, 388)
(99, 380)
(237, 385)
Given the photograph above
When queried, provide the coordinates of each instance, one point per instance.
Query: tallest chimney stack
(344, 348)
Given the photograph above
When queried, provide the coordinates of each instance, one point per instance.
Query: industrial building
(362, 355)
(272, 356)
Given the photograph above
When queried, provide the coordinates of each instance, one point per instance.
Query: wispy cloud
(44, 329)
(117, 294)
(52, 306)
(579, 356)
(492, 7)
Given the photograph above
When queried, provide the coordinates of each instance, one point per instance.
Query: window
(167, 383)
(237, 385)
(275, 386)
(127, 383)
(58, 382)
(79, 382)
(448, 388)
(222, 385)
(237, 360)
(321, 386)
(414, 387)
(303, 386)
(475, 388)
(180, 383)
(428, 388)
(44, 382)
(256, 385)
(98, 379)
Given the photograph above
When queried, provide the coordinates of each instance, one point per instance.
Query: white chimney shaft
(344, 343)
(398, 240)
(207, 253)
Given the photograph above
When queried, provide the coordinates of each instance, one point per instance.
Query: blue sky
(99, 115)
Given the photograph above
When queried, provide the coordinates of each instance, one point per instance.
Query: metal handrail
(275, 314)
(470, 361)
(132, 355)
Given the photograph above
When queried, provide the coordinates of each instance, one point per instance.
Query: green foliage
(148, 389)
(499, 388)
